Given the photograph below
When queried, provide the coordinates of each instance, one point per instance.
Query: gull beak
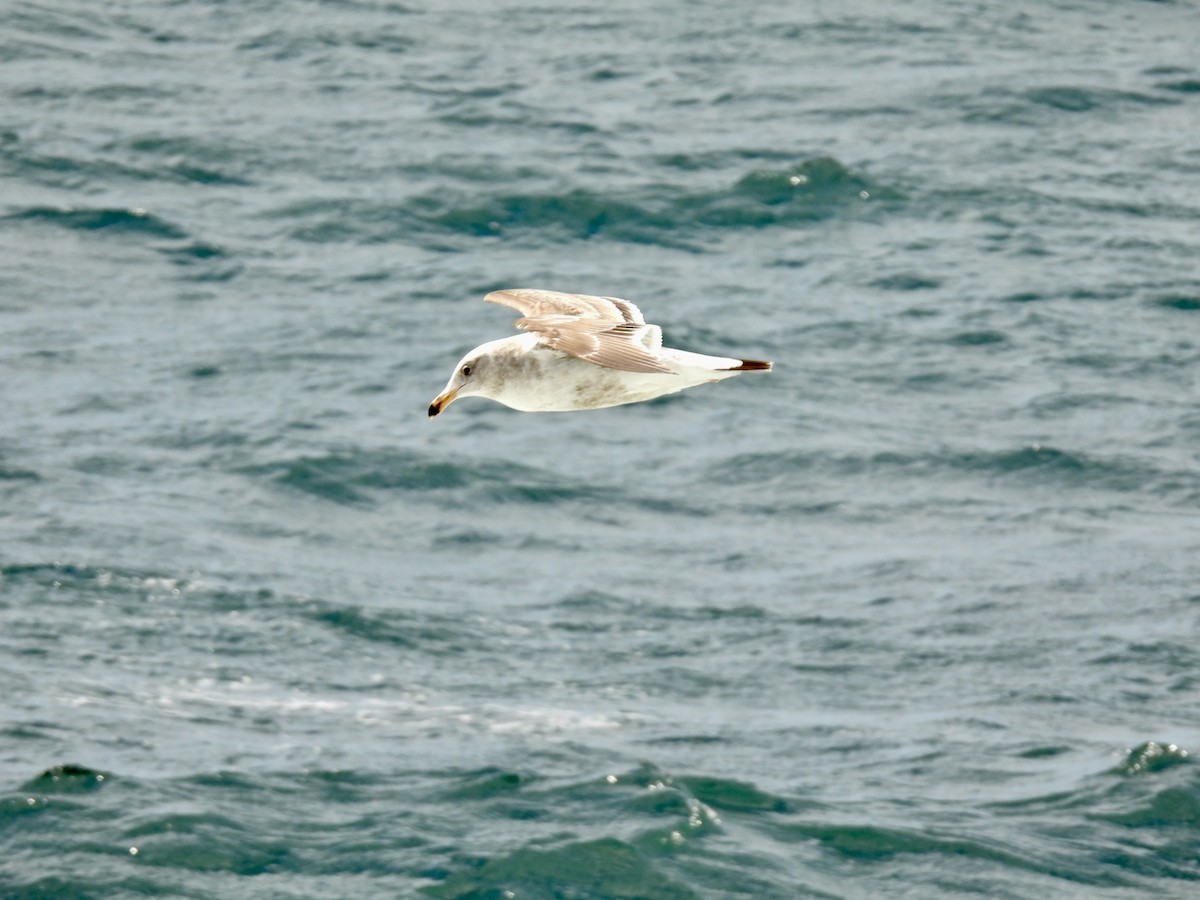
(441, 401)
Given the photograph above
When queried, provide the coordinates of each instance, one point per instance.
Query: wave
(362, 477)
(74, 173)
(1034, 463)
(639, 832)
(436, 635)
(605, 867)
(9, 473)
(175, 160)
(659, 214)
(111, 220)
(1179, 302)
(355, 476)
(1037, 106)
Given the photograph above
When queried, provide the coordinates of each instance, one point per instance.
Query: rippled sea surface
(914, 615)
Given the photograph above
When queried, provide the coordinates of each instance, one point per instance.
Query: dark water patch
(183, 823)
(113, 465)
(348, 477)
(116, 93)
(481, 121)
(661, 214)
(1183, 86)
(1053, 406)
(688, 739)
(339, 786)
(832, 621)
(357, 477)
(283, 44)
(374, 276)
(1169, 807)
(725, 795)
(69, 172)
(1047, 751)
(486, 784)
(814, 177)
(662, 799)
(187, 159)
(131, 221)
(983, 338)
(598, 601)
(231, 781)
(216, 848)
(874, 843)
(1168, 657)
(51, 574)
(1182, 303)
(356, 622)
(14, 810)
(538, 492)
(869, 842)
(33, 731)
(906, 281)
(1156, 803)
(12, 473)
(393, 627)
(1061, 467)
(67, 779)
(603, 868)
(740, 611)
(195, 251)
(469, 538)
(47, 28)
(202, 262)
(1078, 99)
(810, 192)
(1164, 70)
(578, 214)
(1035, 463)
(721, 159)
(1036, 107)
(841, 669)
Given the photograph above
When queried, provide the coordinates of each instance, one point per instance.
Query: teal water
(915, 615)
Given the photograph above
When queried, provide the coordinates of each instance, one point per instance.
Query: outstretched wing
(605, 331)
(535, 304)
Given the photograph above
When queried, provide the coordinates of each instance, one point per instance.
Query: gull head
(463, 383)
(481, 373)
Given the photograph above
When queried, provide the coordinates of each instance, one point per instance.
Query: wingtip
(753, 365)
(498, 297)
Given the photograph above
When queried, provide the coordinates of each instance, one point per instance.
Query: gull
(579, 352)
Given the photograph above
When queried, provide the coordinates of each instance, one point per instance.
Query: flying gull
(579, 352)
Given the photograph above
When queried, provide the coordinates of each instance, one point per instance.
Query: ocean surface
(916, 615)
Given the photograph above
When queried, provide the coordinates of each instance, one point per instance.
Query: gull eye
(466, 371)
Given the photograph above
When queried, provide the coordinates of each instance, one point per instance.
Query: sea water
(913, 615)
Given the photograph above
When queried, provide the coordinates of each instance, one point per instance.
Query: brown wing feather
(535, 304)
(605, 331)
(594, 342)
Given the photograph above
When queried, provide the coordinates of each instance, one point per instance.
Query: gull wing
(605, 331)
(534, 304)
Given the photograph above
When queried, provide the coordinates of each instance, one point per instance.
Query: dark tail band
(752, 365)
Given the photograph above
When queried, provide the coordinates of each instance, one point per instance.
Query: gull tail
(751, 365)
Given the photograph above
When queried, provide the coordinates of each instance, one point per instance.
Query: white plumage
(579, 352)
